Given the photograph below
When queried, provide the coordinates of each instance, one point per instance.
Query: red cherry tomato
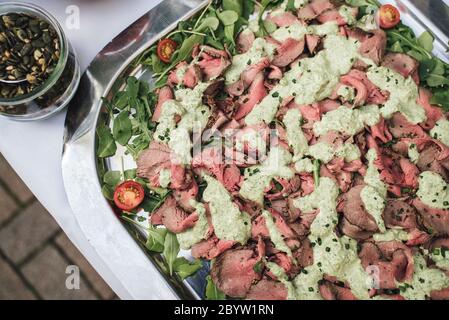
(165, 49)
(128, 195)
(389, 16)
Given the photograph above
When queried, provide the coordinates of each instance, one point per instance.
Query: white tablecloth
(34, 149)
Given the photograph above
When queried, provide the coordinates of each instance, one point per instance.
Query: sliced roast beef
(381, 132)
(174, 218)
(362, 92)
(433, 113)
(432, 157)
(164, 94)
(233, 272)
(288, 52)
(213, 68)
(315, 8)
(256, 93)
(374, 47)
(151, 161)
(401, 63)
(401, 128)
(373, 94)
(354, 231)
(191, 75)
(211, 248)
(334, 15)
(304, 254)
(354, 210)
(332, 291)
(245, 40)
(436, 220)
(312, 42)
(184, 197)
(389, 262)
(210, 159)
(282, 18)
(399, 213)
(267, 290)
(253, 71)
(440, 294)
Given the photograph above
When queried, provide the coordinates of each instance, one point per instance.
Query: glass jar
(57, 90)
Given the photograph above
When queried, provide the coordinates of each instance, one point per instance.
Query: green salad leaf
(156, 239)
(171, 250)
(184, 268)
(106, 143)
(122, 128)
(212, 292)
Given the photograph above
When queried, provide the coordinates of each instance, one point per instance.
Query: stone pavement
(35, 252)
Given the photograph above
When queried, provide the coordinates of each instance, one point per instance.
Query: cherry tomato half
(165, 49)
(128, 195)
(389, 16)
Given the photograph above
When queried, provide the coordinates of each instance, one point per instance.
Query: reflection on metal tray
(138, 271)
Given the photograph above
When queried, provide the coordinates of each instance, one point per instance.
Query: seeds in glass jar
(29, 50)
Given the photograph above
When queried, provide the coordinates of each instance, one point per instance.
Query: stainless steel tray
(137, 270)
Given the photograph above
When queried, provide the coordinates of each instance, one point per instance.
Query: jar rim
(28, 8)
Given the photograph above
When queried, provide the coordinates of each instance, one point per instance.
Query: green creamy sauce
(296, 138)
(425, 280)
(374, 195)
(299, 31)
(413, 153)
(311, 79)
(391, 235)
(258, 178)
(433, 190)
(333, 256)
(199, 231)
(347, 120)
(253, 139)
(259, 50)
(284, 6)
(229, 223)
(326, 152)
(164, 178)
(194, 116)
(347, 93)
(441, 258)
(304, 165)
(345, 12)
(275, 235)
(404, 94)
(441, 131)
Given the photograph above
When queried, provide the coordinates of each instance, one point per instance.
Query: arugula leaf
(130, 174)
(156, 239)
(108, 192)
(122, 128)
(120, 100)
(106, 144)
(184, 268)
(212, 292)
(112, 178)
(234, 5)
(171, 250)
(208, 23)
(426, 40)
(441, 98)
(132, 87)
(363, 3)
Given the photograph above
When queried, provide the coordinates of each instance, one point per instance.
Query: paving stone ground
(37, 260)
